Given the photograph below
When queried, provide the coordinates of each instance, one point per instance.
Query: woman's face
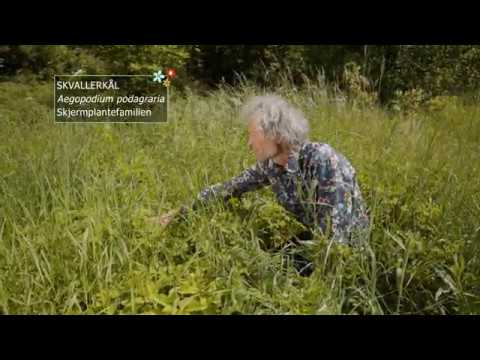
(263, 147)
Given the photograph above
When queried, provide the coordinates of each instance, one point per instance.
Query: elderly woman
(315, 183)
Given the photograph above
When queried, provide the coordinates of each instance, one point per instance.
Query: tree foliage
(385, 69)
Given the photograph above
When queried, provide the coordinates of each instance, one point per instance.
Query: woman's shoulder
(316, 150)
(315, 153)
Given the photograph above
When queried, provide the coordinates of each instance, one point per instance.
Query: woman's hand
(164, 219)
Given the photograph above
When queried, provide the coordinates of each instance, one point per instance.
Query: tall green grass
(74, 199)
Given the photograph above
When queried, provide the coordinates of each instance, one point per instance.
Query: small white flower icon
(158, 76)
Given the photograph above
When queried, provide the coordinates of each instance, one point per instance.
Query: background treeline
(383, 70)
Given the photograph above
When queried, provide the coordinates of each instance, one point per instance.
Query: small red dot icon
(171, 73)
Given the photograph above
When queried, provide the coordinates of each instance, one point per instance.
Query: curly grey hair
(277, 119)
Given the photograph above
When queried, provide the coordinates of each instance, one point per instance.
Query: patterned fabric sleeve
(321, 173)
(339, 207)
(252, 178)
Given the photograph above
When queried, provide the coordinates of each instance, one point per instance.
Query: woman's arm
(250, 179)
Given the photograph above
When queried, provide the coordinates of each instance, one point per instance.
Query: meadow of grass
(74, 199)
